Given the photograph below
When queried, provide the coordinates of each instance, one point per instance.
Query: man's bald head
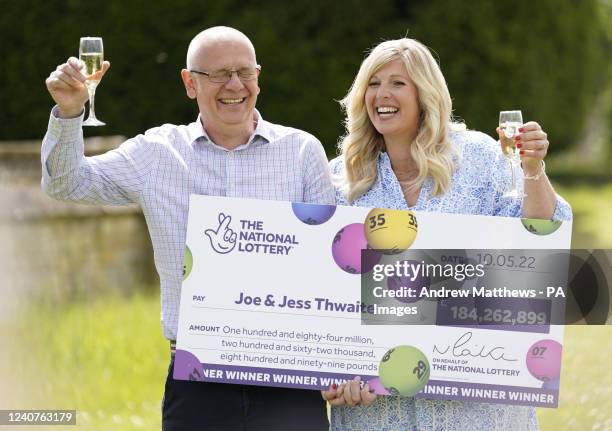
(214, 35)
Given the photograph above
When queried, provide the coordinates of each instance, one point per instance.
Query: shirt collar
(196, 130)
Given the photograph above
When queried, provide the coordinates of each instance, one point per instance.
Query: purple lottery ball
(313, 213)
(544, 360)
(378, 387)
(397, 283)
(347, 246)
(187, 366)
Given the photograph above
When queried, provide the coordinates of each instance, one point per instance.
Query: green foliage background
(546, 57)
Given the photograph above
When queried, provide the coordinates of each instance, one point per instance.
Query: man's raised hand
(66, 84)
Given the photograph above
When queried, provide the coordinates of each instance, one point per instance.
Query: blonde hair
(431, 150)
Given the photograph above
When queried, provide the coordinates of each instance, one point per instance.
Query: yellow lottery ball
(393, 230)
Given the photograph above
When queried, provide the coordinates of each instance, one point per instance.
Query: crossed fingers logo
(222, 239)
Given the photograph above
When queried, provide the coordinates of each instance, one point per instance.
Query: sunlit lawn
(586, 382)
(107, 359)
(592, 207)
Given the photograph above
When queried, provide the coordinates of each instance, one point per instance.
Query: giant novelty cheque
(277, 294)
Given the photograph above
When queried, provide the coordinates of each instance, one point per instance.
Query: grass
(106, 358)
(586, 382)
(592, 206)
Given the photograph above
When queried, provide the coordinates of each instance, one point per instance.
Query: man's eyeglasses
(223, 76)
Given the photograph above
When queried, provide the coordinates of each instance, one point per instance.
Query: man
(229, 151)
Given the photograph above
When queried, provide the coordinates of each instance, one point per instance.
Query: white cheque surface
(264, 302)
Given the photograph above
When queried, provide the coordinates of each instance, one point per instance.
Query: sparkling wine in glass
(91, 53)
(509, 123)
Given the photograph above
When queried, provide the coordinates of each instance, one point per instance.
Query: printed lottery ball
(397, 283)
(346, 250)
(312, 213)
(187, 366)
(376, 385)
(544, 360)
(551, 384)
(540, 227)
(187, 263)
(392, 230)
(404, 370)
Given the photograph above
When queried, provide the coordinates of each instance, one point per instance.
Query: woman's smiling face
(392, 102)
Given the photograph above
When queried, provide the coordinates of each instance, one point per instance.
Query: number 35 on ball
(392, 230)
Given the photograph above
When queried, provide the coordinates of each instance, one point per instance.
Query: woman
(403, 151)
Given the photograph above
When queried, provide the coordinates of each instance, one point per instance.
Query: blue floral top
(481, 178)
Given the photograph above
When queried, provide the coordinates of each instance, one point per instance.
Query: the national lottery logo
(251, 237)
(223, 238)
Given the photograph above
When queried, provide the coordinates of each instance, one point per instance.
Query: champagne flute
(91, 53)
(509, 123)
